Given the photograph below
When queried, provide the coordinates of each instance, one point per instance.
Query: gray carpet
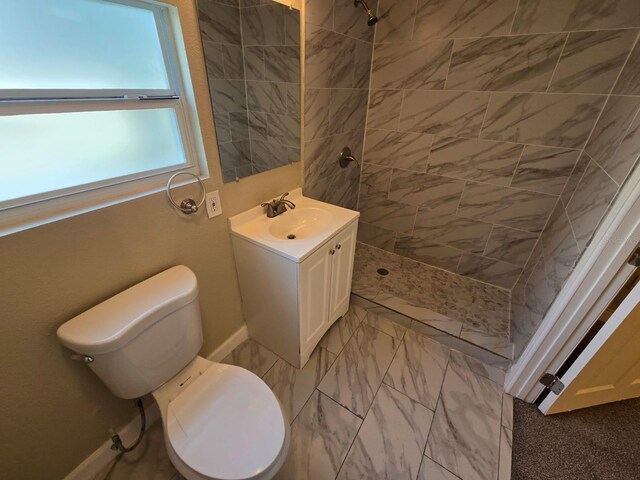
(600, 443)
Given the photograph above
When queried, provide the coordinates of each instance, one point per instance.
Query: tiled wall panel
(339, 46)
(498, 134)
(479, 113)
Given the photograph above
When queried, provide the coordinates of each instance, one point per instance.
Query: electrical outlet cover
(214, 207)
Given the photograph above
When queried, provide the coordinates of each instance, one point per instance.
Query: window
(93, 106)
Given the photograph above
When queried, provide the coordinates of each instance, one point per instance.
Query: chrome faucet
(279, 206)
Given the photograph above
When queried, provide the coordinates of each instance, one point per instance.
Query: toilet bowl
(221, 422)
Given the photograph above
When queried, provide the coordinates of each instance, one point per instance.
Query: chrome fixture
(372, 19)
(279, 206)
(82, 358)
(346, 157)
(188, 205)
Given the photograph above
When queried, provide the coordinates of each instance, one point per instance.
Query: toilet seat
(226, 425)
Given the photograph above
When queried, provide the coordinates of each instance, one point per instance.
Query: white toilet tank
(143, 336)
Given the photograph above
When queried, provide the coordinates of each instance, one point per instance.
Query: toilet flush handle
(82, 358)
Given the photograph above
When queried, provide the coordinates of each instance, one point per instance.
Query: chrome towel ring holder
(188, 205)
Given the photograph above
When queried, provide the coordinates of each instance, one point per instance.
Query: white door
(315, 290)
(345, 249)
(608, 370)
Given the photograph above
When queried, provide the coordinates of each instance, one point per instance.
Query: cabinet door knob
(332, 251)
(338, 247)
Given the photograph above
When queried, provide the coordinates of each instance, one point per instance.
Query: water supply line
(117, 444)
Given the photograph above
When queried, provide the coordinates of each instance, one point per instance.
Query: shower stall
(494, 137)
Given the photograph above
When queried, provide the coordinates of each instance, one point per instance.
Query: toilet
(221, 422)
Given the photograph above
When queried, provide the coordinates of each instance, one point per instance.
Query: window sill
(33, 215)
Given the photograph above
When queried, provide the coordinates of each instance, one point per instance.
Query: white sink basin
(300, 223)
(296, 233)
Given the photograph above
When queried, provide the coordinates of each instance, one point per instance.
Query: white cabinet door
(342, 271)
(315, 290)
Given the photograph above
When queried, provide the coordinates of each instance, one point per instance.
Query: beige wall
(54, 412)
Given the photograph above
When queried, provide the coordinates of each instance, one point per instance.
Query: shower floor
(458, 306)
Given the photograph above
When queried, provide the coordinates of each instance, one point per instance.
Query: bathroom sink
(300, 223)
(296, 233)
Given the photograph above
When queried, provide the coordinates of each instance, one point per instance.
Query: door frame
(599, 275)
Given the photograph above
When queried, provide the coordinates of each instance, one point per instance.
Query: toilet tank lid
(116, 321)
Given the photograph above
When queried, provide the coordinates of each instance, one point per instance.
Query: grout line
(626, 132)
(464, 187)
(486, 113)
(515, 170)
(428, 162)
(573, 234)
(402, 97)
(512, 92)
(564, 45)
(577, 182)
(446, 77)
(608, 98)
(513, 20)
(456, 272)
(508, 35)
(415, 20)
(438, 401)
(486, 243)
(372, 402)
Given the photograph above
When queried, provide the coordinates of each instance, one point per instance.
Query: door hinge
(552, 382)
(635, 258)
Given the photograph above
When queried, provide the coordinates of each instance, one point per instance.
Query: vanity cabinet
(289, 305)
(325, 287)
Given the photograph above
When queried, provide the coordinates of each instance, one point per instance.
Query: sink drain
(291, 236)
(383, 271)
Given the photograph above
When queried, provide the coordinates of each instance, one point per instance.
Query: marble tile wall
(252, 52)
(339, 44)
(610, 153)
(484, 118)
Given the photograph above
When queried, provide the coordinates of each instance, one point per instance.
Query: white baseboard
(232, 342)
(94, 463)
(99, 459)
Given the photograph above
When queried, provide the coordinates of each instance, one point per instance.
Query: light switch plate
(214, 207)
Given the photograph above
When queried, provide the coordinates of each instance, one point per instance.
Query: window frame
(26, 212)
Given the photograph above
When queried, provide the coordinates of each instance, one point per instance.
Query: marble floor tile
(320, 439)
(507, 411)
(385, 325)
(506, 442)
(252, 356)
(356, 375)
(421, 314)
(430, 470)
(391, 440)
(340, 332)
(468, 348)
(491, 341)
(493, 373)
(465, 433)
(294, 386)
(418, 368)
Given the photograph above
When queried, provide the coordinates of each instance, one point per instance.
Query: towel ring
(188, 205)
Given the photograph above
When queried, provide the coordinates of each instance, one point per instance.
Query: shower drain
(383, 271)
